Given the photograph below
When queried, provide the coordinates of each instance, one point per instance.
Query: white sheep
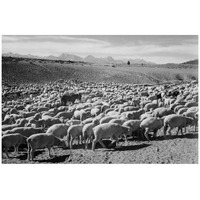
(58, 130)
(74, 131)
(88, 133)
(174, 120)
(134, 125)
(42, 140)
(151, 123)
(108, 130)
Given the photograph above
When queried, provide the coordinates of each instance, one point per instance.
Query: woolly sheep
(10, 127)
(151, 123)
(87, 131)
(74, 131)
(14, 139)
(175, 120)
(106, 119)
(161, 112)
(134, 125)
(108, 130)
(58, 130)
(42, 140)
(25, 131)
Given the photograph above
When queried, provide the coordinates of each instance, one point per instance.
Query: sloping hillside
(192, 62)
(37, 70)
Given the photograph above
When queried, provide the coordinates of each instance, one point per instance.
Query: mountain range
(89, 58)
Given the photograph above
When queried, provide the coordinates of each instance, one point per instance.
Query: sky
(155, 48)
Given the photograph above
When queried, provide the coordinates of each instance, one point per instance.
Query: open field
(18, 70)
(177, 150)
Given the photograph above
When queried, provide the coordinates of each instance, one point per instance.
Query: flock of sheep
(60, 112)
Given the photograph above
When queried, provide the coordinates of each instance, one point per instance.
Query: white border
(99, 17)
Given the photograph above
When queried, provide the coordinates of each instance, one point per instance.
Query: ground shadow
(187, 135)
(23, 156)
(130, 148)
(56, 159)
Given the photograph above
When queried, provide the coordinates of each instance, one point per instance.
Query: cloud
(50, 38)
(159, 49)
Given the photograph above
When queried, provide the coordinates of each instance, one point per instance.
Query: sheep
(65, 114)
(95, 111)
(191, 104)
(74, 131)
(25, 131)
(134, 125)
(15, 140)
(177, 108)
(42, 140)
(84, 115)
(9, 127)
(88, 120)
(193, 115)
(175, 120)
(58, 130)
(137, 113)
(193, 109)
(106, 119)
(8, 120)
(87, 131)
(131, 108)
(181, 111)
(49, 121)
(146, 115)
(118, 121)
(74, 121)
(148, 106)
(161, 112)
(108, 130)
(151, 123)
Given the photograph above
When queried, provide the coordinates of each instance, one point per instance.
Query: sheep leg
(117, 141)
(102, 144)
(78, 140)
(71, 143)
(169, 131)
(49, 149)
(28, 152)
(32, 153)
(155, 133)
(165, 130)
(81, 139)
(125, 137)
(146, 133)
(16, 149)
(6, 151)
(94, 144)
(178, 130)
(181, 131)
(85, 142)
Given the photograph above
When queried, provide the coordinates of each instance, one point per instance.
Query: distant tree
(128, 63)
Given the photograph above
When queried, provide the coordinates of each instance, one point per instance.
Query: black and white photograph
(100, 99)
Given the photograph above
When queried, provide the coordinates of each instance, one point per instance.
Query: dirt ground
(175, 150)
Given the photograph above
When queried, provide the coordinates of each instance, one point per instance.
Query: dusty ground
(178, 149)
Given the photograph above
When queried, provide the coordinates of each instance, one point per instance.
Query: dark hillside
(19, 70)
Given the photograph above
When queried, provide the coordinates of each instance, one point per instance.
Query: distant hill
(192, 62)
(92, 59)
(89, 58)
(139, 61)
(65, 56)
